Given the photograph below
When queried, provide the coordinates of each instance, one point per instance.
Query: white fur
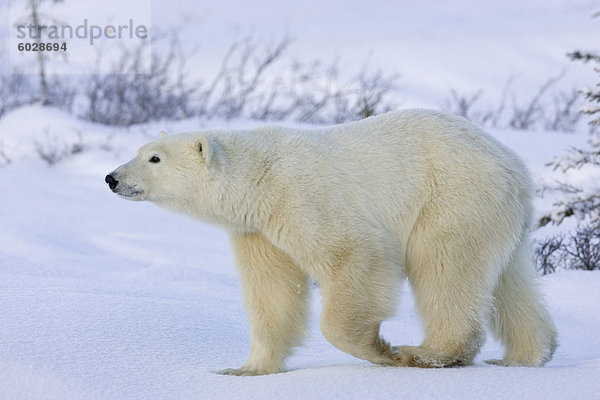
(412, 194)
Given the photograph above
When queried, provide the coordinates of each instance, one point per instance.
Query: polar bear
(359, 207)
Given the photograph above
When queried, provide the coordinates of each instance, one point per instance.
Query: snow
(102, 298)
(106, 299)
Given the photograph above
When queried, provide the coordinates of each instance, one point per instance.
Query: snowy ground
(106, 299)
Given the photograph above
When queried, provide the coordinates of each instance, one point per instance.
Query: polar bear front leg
(275, 293)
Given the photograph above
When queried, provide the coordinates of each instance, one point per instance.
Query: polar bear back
(384, 174)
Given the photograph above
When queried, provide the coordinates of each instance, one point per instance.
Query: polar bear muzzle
(130, 192)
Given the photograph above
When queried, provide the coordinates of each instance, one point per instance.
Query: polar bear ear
(204, 147)
(162, 134)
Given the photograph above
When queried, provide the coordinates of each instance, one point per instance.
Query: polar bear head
(169, 170)
(209, 175)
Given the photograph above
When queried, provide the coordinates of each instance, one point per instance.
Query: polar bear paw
(238, 372)
(244, 372)
(421, 357)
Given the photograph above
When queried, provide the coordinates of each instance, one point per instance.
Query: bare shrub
(131, 94)
(242, 72)
(251, 82)
(4, 158)
(564, 115)
(577, 202)
(579, 251)
(591, 95)
(309, 90)
(52, 150)
(78, 146)
(247, 84)
(15, 90)
(525, 116)
(368, 92)
(546, 109)
(584, 248)
(61, 91)
(462, 103)
(549, 254)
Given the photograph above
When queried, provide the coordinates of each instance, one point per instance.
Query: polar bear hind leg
(453, 264)
(519, 319)
(452, 304)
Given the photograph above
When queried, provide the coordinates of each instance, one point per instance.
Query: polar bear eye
(154, 160)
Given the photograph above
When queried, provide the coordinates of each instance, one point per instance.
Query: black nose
(112, 182)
